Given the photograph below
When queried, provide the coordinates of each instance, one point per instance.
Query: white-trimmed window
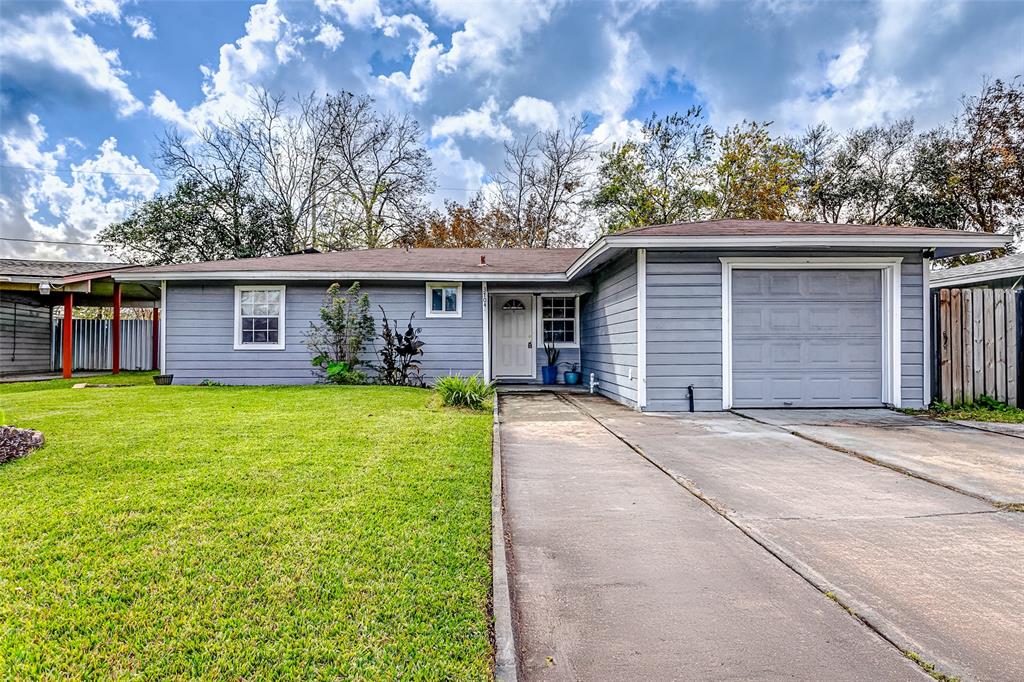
(560, 320)
(444, 299)
(259, 317)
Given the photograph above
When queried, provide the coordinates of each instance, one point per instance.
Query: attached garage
(807, 338)
(817, 333)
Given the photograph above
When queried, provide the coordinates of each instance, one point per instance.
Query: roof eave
(292, 275)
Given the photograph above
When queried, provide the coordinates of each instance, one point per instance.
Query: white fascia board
(291, 275)
(876, 242)
(585, 258)
(971, 279)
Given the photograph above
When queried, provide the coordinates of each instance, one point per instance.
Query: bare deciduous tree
(378, 169)
(542, 187)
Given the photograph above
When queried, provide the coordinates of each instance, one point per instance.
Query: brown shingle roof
(455, 261)
(25, 267)
(739, 228)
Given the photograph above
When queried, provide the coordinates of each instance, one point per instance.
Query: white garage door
(807, 338)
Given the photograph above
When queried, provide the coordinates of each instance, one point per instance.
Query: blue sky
(89, 85)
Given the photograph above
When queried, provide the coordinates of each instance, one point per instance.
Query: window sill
(443, 315)
(260, 346)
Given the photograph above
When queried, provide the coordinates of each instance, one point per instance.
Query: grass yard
(990, 411)
(244, 533)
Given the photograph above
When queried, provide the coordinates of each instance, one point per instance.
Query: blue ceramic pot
(550, 373)
(572, 378)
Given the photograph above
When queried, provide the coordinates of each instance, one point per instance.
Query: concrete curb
(505, 669)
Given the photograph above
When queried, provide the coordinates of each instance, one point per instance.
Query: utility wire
(51, 241)
(60, 171)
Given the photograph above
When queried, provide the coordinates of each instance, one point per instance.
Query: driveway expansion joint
(877, 462)
(831, 592)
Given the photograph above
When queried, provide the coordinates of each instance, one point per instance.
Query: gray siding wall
(608, 318)
(912, 332)
(200, 328)
(24, 335)
(684, 328)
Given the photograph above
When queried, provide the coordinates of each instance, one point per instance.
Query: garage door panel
(807, 338)
(820, 285)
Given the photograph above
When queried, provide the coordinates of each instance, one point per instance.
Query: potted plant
(572, 375)
(550, 372)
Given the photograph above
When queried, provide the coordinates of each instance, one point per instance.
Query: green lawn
(986, 410)
(244, 533)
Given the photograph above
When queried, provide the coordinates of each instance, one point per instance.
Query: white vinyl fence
(92, 349)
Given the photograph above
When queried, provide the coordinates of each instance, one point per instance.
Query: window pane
(260, 329)
(451, 299)
(436, 300)
(559, 319)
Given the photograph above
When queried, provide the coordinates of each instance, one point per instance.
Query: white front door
(514, 355)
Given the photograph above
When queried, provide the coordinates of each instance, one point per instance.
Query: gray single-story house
(1006, 272)
(747, 313)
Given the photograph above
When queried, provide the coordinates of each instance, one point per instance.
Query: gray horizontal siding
(684, 331)
(24, 335)
(913, 361)
(608, 319)
(684, 328)
(199, 329)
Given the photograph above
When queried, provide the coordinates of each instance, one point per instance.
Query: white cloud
(535, 113)
(141, 27)
(476, 123)
(426, 56)
(52, 41)
(357, 13)
(70, 206)
(457, 176)
(330, 36)
(168, 110)
(845, 68)
(90, 8)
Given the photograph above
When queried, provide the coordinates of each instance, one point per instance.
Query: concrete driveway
(703, 546)
(966, 457)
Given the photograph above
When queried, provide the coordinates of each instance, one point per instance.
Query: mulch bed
(16, 442)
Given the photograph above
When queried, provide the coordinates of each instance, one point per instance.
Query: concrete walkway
(936, 571)
(979, 462)
(619, 573)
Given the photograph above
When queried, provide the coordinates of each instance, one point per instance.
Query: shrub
(338, 372)
(398, 364)
(459, 391)
(345, 327)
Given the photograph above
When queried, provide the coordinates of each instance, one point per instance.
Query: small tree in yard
(398, 363)
(345, 327)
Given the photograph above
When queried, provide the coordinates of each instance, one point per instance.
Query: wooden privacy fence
(977, 345)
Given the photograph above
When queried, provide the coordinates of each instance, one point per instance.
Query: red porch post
(115, 331)
(69, 304)
(156, 338)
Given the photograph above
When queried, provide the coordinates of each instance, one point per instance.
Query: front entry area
(512, 334)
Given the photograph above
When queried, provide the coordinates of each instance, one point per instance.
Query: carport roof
(51, 269)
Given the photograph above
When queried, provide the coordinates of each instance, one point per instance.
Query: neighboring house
(748, 313)
(999, 273)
